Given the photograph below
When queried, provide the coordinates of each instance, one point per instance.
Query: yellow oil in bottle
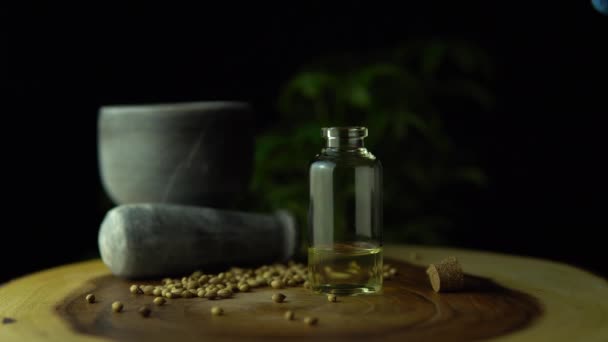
(345, 269)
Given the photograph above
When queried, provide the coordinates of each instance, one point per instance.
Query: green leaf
(310, 90)
(311, 84)
(358, 96)
(401, 97)
(432, 57)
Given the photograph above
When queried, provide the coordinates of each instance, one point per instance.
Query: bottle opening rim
(345, 132)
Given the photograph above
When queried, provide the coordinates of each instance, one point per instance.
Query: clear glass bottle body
(345, 215)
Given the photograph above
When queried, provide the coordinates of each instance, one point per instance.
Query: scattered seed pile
(225, 284)
(388, 272)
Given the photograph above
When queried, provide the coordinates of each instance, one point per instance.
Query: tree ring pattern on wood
(408, 309)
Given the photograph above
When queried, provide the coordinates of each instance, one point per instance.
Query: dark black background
(542, 146)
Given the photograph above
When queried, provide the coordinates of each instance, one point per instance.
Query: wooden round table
(513, 299)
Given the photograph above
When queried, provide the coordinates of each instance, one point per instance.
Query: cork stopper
(446, 275)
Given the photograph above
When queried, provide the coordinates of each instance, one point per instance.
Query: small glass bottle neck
(344, 143)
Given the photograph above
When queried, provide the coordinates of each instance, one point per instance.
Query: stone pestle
(159, 240)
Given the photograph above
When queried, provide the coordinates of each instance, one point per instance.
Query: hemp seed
(90, 298)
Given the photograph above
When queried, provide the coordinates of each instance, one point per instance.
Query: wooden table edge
(575, 301)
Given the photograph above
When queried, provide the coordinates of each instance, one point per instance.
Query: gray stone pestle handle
(159, 240)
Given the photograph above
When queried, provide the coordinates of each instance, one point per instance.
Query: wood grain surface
(508, 298)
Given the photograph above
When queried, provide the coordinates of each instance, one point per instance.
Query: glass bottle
(345, 215)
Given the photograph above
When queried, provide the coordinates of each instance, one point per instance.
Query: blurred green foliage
(400, 95)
